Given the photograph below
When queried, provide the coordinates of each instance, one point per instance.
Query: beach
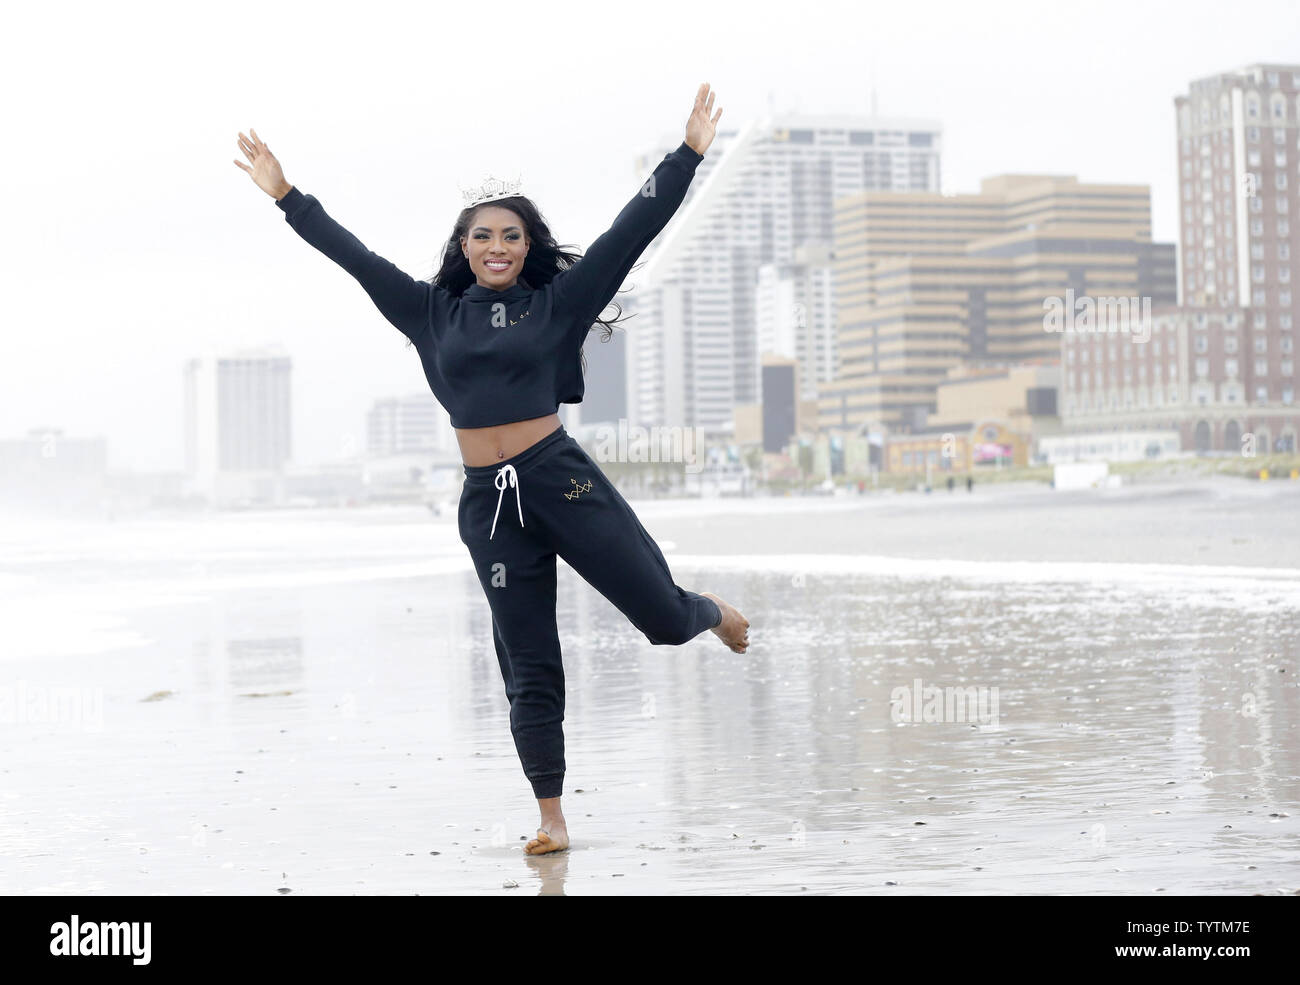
(308, 702)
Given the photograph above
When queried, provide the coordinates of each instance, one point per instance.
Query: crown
(490, 191)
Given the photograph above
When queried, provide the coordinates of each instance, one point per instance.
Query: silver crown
(490, 191)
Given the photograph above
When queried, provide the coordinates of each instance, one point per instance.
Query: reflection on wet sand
(317, 733)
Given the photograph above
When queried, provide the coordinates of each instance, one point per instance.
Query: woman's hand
(265, 172)
(699, 128)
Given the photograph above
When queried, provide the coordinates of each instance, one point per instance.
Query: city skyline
(136, 243)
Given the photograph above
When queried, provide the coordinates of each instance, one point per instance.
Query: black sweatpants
(516, 517)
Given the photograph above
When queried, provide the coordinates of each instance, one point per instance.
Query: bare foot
(552, 836)
(734, 628)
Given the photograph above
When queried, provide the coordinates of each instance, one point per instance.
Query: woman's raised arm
(590, 284)
(400, 298)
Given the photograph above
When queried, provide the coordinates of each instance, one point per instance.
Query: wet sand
(309, 702)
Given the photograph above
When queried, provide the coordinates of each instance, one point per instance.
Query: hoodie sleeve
(403, 300)
(586, 288)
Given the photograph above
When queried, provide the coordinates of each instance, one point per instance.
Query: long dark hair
(545, 257)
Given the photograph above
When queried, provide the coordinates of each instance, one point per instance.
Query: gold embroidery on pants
(578, 488)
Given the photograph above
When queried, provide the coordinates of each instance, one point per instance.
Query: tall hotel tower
(706, 294)
(1221, 365)
(237, 425)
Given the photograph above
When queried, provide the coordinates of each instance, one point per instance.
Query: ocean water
(309, 702)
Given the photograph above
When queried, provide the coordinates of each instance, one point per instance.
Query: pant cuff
(545, 787)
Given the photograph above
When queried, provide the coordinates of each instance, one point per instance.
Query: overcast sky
(131, 241)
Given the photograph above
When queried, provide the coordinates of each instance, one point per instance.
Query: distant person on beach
(951, 483)
(970, 483)
(499, 331)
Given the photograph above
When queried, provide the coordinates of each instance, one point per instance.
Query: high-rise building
(1237, 176)
(761, 193)
(414, 423)
(796, 314)
(1219, 366)
(237, 423)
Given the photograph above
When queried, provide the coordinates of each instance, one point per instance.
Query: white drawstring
(506, 475)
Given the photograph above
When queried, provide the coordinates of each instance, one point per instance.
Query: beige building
(1022, 395)
(926, 283)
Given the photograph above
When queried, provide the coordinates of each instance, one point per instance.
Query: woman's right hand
(265, 172)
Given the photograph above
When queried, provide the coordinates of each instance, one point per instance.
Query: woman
(499, 332)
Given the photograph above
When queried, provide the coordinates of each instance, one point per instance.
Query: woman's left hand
(699, 128)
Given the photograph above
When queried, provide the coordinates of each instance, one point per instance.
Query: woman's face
(495, 247)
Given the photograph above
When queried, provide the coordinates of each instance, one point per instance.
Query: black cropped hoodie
(495, 357)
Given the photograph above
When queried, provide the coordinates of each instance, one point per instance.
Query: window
(1261, 367)
(1261, 393)
(1202, 343)
(1202, 367)
(1261, 343)
(1288, 395)
(1288, 367)
(1230, 343)
(1230, 367)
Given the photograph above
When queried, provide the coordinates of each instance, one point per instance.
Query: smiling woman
(499, 331)
(496, 247)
